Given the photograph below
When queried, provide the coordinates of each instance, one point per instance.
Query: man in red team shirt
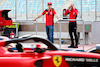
(50, 12)
(72, 11)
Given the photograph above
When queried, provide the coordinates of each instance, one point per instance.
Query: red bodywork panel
(49, 58)
(4, 19)
(28, 59)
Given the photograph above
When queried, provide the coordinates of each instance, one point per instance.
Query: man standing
(72, 11)
(50, 12)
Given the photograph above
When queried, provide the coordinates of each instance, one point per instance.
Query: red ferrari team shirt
(71, 14)
(49, 16)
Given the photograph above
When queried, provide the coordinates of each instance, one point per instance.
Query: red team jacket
(49, 16)
(71, 15)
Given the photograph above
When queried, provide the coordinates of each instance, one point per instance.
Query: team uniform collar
(50, 9)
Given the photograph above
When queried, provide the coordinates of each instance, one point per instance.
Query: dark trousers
(49, 31)
(73, 29)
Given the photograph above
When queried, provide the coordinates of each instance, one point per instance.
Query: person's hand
(60, 19)
(68, 7)
(74, 7)
(34, 20)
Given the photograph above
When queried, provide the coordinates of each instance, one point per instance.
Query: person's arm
(66, 12)
(57, 16)
(54, 12)
(75, 12)
(37, 17)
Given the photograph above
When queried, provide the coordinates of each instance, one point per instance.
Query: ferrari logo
(46, 12)
(57, 60)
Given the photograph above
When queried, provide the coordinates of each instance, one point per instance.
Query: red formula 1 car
(40, 57)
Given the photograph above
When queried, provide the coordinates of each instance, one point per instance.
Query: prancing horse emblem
(57, 60)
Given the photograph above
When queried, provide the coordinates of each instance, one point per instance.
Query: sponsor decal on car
(82, 61)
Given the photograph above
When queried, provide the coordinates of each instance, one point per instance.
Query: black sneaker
(70, 46)
(75, 47)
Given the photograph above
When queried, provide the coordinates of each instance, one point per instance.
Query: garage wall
(95, 36)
